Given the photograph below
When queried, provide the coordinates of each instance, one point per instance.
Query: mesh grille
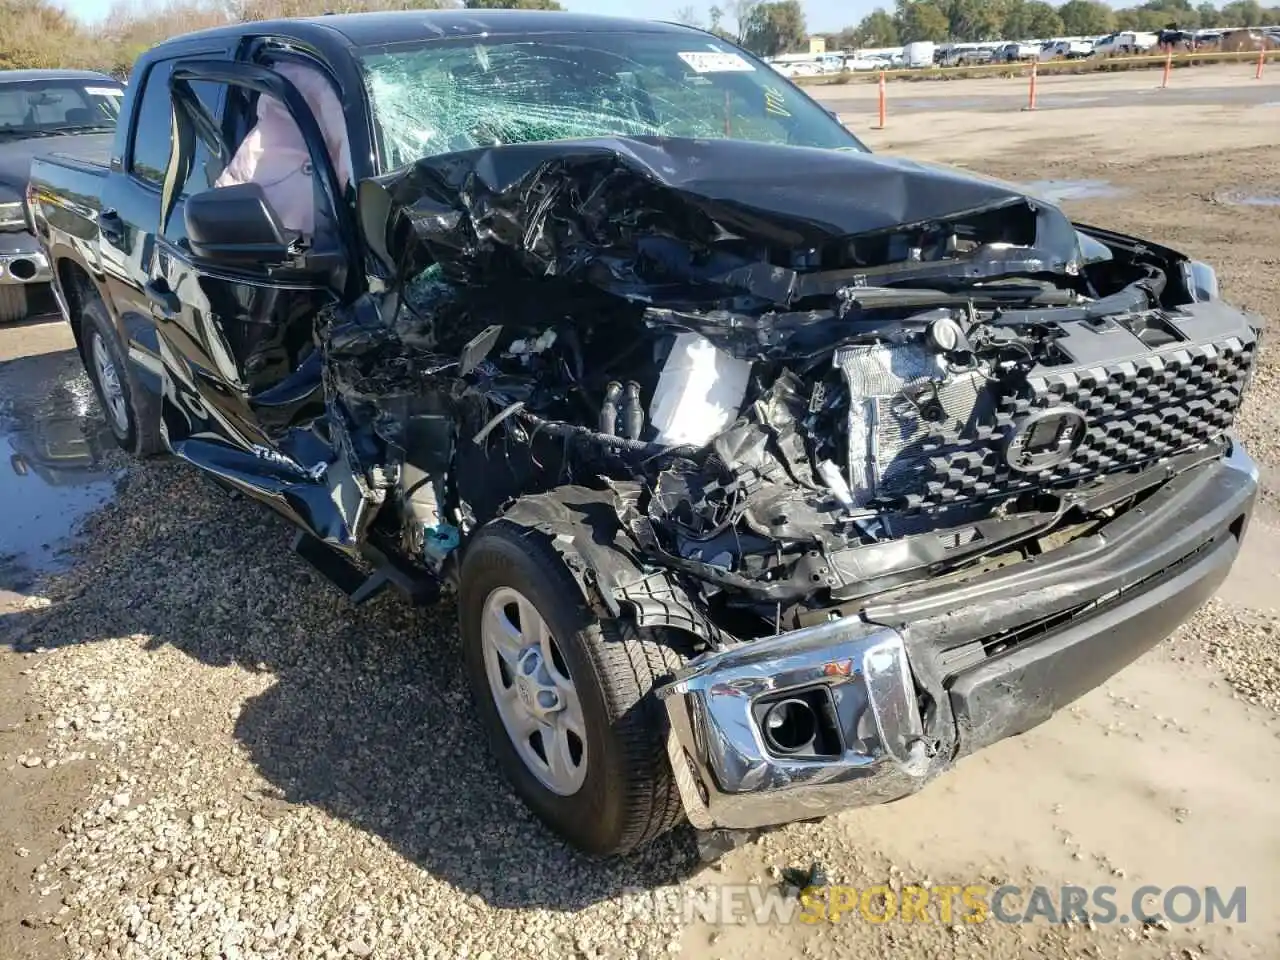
(1135, 411)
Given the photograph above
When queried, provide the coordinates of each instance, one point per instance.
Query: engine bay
(791, 404)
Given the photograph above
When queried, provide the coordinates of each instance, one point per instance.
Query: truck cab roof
(371, 29)
(26, 76)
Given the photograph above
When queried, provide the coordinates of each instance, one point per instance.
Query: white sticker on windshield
(717, 62)
(104, 91)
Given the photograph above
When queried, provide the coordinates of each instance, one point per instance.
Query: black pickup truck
(772, 476)
(70, 112)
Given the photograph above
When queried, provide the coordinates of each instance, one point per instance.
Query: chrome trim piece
(1238, 458)
(42, 272)
(728, 778)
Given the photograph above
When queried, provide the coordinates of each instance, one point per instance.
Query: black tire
(629, 795)
(139, 435)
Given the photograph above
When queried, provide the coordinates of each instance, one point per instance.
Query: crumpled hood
(557, 208)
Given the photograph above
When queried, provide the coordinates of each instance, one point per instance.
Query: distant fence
(1153, 61)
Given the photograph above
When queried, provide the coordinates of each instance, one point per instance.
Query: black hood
(558, 208)
(16, 155)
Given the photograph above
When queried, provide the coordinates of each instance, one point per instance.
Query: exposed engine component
(794, 398)
(699, 392)
(900, 395)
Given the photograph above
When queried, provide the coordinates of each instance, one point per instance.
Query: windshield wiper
(23, 133)
(26, 133)
(84, 128)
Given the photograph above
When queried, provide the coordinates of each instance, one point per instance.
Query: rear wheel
(566, 698)
(131, 412)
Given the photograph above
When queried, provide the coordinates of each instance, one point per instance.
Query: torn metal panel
(914, 371)
(655, 218)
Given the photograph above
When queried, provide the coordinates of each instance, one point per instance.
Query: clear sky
(821, 14)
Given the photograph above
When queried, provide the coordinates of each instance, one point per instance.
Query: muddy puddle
(1055, 191)
(1245, 198)
(52, 473)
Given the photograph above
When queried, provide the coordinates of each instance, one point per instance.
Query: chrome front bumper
(726, 775)
(1130, 587)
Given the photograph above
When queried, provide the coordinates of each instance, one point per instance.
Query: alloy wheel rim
(109, 383)
(533, 691)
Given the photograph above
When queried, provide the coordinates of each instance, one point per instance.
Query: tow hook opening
(800, 724)
(790, 726)
(22, 269)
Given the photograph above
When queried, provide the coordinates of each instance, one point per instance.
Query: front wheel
(566, 698)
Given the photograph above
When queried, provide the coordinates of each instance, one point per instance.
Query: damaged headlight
(1201, 280)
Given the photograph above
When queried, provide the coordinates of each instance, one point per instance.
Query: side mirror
(236, 225)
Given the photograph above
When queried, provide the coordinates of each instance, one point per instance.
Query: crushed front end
(910, 458)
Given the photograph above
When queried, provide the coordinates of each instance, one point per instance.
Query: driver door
(237, 332)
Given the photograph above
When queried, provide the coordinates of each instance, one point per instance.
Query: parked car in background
(803, 68)
(919, 54)
(71, 112)
(736, 532)
(1126, 43)
(975, 56)
(965, 54)
(1065, 50)
(1015, 52)
(866, 63)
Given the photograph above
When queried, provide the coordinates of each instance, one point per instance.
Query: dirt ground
(230, 763)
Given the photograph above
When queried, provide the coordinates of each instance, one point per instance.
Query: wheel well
(78, 289)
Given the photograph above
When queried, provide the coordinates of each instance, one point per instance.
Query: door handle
(111, 227)
(163, 300)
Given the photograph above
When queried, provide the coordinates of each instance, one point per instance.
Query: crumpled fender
(584, 528)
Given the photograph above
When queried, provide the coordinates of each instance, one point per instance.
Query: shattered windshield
(444, 96)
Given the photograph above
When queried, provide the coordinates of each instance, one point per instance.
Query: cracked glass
(442, 96)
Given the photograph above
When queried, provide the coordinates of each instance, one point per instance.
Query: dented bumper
(865, 682)
(729, 777)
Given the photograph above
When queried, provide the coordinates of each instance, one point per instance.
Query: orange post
(882, 102)
(1262, 59)
(1168, 66)
(1031, 95)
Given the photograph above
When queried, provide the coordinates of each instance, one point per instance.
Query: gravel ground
(208, 753)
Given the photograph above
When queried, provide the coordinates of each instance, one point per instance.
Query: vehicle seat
(79, 115)
(274, 154)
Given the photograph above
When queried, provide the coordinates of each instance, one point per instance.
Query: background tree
(1031, 18)
(35, 33)
(921, 20)
(688, 14)
(1248, 13)
(971, 20)
(776, 27)
(1209, 15)
(741, 11)
(877, 29)
(1081, 18)
(512, 5)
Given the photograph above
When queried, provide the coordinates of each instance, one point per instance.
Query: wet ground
(1057, 191)
(52, 474)
(1245, 198)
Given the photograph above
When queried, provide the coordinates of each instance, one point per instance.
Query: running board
(357, 585)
